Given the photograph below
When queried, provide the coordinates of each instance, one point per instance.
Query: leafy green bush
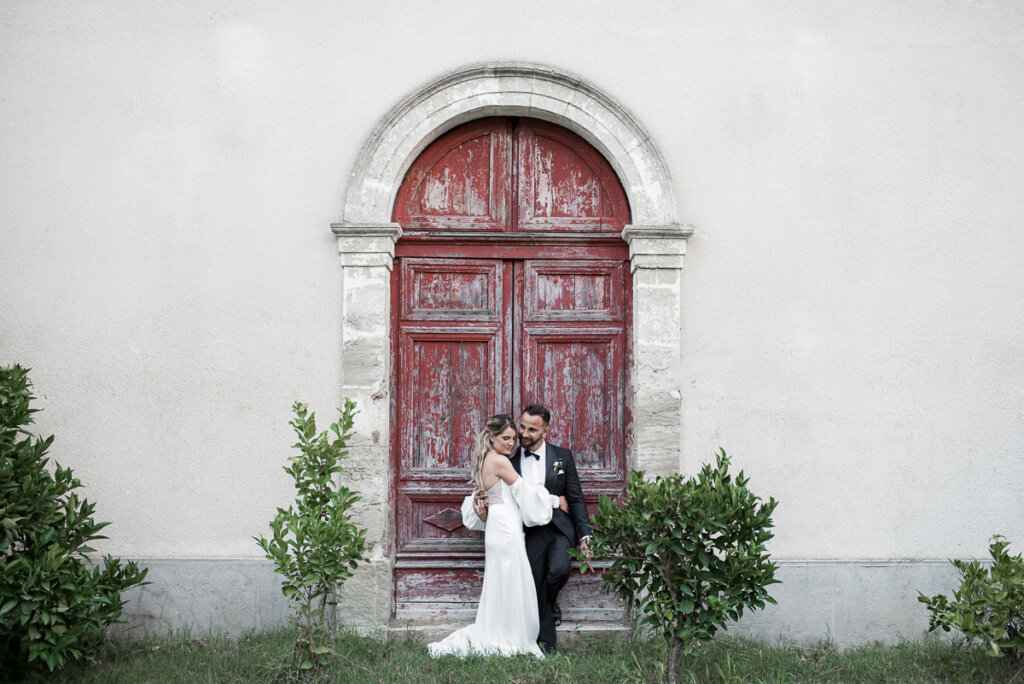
(686, 554)
(989, 605)
(315, 544)
(54, 602)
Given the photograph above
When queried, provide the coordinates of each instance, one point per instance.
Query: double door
(511, 286)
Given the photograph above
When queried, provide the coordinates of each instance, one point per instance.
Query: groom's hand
(585, 548)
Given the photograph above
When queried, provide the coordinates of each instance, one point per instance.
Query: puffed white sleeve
(535, 503)
(469, 517)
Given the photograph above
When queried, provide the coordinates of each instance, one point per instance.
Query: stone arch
(508, 90)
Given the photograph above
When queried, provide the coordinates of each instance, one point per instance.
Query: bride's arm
(535, 502)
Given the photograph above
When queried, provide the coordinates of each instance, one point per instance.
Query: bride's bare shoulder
(492, 461)
(493, 468)
(500, 466)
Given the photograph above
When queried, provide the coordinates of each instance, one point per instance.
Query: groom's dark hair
(539, 410)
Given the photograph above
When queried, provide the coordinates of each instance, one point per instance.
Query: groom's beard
(529, 446)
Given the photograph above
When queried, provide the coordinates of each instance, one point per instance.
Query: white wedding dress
(506, 618)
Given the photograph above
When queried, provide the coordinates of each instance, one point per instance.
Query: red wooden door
(511, 287)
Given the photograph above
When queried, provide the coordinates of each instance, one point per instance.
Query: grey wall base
(847, 602)
(206, 596)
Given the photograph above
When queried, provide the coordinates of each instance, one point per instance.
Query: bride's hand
(563, 504)
(480, 506)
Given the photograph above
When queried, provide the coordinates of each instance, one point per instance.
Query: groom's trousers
(548, 552)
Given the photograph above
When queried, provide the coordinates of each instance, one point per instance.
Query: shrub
(686, 554)
(989, 605)
(54, 602)
(315, 544)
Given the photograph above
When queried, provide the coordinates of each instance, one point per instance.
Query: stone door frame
(366, 239)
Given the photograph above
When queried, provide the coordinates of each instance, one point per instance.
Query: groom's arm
(574, 495)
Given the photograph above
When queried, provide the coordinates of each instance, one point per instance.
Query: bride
(506, 618)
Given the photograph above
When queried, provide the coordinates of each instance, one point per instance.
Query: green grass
(266, 657)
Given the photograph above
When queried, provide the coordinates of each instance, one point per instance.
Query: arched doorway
(366, 240)
(511, 285)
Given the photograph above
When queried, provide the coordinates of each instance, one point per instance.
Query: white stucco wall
(853, 330)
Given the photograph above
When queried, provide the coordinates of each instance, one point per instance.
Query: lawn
(266, 657)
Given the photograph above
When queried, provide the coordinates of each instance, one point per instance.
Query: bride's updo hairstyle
(495, 426)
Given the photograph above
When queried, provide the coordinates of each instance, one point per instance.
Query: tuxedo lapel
(549, 459)
(517, 460)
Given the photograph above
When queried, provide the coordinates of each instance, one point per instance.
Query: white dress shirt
(533, 468)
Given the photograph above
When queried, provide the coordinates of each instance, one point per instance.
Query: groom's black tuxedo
(575, 524)
(547, 546)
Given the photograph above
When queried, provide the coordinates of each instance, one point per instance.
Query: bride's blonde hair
(495, 426)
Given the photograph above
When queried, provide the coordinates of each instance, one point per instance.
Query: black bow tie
(532, 454)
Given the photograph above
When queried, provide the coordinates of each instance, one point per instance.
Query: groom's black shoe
(556, 612)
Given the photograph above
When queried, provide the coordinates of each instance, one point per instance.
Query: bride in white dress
(506, 618)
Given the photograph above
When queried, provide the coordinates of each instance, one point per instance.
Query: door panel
(447, 419)
(451, 289)
(563, 184)
(574, 370)
(576, 291)
(461, 182)
(574, 348)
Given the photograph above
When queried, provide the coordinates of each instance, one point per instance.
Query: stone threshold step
(568, 630)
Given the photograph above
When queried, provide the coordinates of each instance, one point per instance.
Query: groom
(547, 546)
